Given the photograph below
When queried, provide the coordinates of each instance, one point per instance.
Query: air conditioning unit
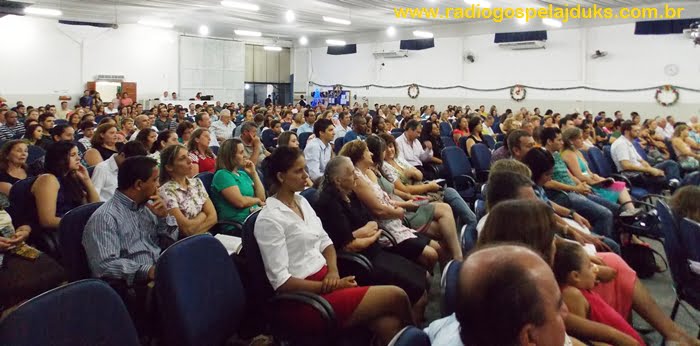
(109, 77)
(391, 54)
(523, 45)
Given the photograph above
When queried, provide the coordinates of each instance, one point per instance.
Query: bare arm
(92, 157)
(5, 188)
(232, 195)
(571, 160)
(379, 210)
(187, 226)
(45, 190)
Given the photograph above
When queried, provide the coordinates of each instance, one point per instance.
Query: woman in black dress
(104, 144)
(349, 226)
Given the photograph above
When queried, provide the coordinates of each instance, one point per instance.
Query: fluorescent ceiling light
(423, 34)
(272, 48)
(551, 22)
(43, 11)
(247, 33)
(336, 20)
(482, 3)
(246, 86)
(303, 41)
(156, 23)
(240, 5)
(335, 42)
(290, 16)
(391, 31)
(203, 30)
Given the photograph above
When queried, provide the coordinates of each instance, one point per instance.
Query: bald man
(507, 295)
(141, 122)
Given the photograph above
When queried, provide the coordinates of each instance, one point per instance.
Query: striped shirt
(16, 131)
(120, 239)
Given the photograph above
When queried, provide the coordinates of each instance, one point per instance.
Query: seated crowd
(545, 267)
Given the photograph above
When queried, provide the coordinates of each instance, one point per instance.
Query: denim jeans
(460, 209)
(600, 217)
(671, 169)
(612, 206)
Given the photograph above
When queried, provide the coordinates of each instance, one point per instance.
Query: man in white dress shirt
(410, 148)
(319, 150)
(224, 127)
(104, 177)
(202, 120)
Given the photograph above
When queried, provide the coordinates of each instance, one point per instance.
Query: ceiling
(367, 16)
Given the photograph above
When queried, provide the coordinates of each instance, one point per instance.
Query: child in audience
(576, 275)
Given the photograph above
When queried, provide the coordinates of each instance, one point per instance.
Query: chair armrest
(282, 329)
(238, 228)
(356, 264)
(621, 177)
(483, 175)
(462, 182)
(390, 237)
(554, 193)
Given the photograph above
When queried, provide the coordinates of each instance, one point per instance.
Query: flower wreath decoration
(666, 95)
(518, 93)
(413, 91)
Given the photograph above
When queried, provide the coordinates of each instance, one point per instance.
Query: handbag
(642, 258)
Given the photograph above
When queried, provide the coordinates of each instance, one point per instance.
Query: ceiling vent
(523, 45)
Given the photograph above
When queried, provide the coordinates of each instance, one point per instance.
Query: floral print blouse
(190, 201)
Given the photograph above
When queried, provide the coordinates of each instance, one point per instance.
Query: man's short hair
(513, 140)
(549, 134)
(133, 148)
(504, 186)
(306, 113)
(321, 125)
(45, 115)
(225, 112)
(412, 124)
(248, 126)
(58, 130)
(493, 309)
(626, 126)
(198, 117)
(134, 169)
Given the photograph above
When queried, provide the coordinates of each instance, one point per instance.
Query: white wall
(633, 62)
(43, 59)
(214, 67)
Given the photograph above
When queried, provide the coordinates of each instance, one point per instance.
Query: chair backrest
(411, 336)
(70, 231)
(456, 162)
(60, 122)
(311, 195)
(206, 178)
(35, 153)
(480, 208)
(607, 154)
(640, 150)
(445, 129)
(285, 126)
(268, 138)
(22, 204)
(692, 178)
(397, 130)
(449, 286)
(259, 287)
(500, 137)
(91, 170)
(463, 144)
(497, 146)
(489, 141)
(672, 244)
(83, 313)
(447, 141)
(200, 296)
(601, 165)
(338, 144)
(481, 157)
(669, 146)
(689, 237)
(214, 150)
(591, 164)
(303, 138)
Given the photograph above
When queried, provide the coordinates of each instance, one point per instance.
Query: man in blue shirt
(359, 129)
(308, 126)
(319, 150)
(86, 100)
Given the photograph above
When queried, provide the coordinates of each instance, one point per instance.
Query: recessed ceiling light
(203, 30)
(482, 3)
(552, 22)
(290, 16)
(303, 41)
(247, 33)
(391, 31)
(272, 48)
(335, 42)
(156, 23)
(38, 11)
(240, 5)
(423, 34)
(336, 20)
(246, 86)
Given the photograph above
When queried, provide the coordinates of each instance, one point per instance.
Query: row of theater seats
(201, 296)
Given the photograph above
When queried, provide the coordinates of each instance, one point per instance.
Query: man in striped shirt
(120, 237)
(12, 128)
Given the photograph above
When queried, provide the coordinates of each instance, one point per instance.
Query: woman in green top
(236, 188)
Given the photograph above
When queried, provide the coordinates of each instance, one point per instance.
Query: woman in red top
(461, 130)
(203, 159)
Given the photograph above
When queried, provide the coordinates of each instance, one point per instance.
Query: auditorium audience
(165, 139)
(685, 203)
(104, 177)
(13, 164)
(475, 130)
(412, 151)
(104, 145)
(359, 129)
(186, 199)
(237, 190)
(343, 127)
(184, 131)
(309, 120)
(431, 133)
(65, 185)
(319, 150)
(254, 150)
(12, 128)
(34, 134)
(687, 158)
(461, 130)
(87, 130)
(147, 137)
(299, 256)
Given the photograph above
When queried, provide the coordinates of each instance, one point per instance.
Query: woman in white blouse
(299, 256)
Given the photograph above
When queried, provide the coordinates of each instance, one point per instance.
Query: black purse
(642, 258)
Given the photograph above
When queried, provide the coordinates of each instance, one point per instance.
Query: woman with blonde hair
(687, 158)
